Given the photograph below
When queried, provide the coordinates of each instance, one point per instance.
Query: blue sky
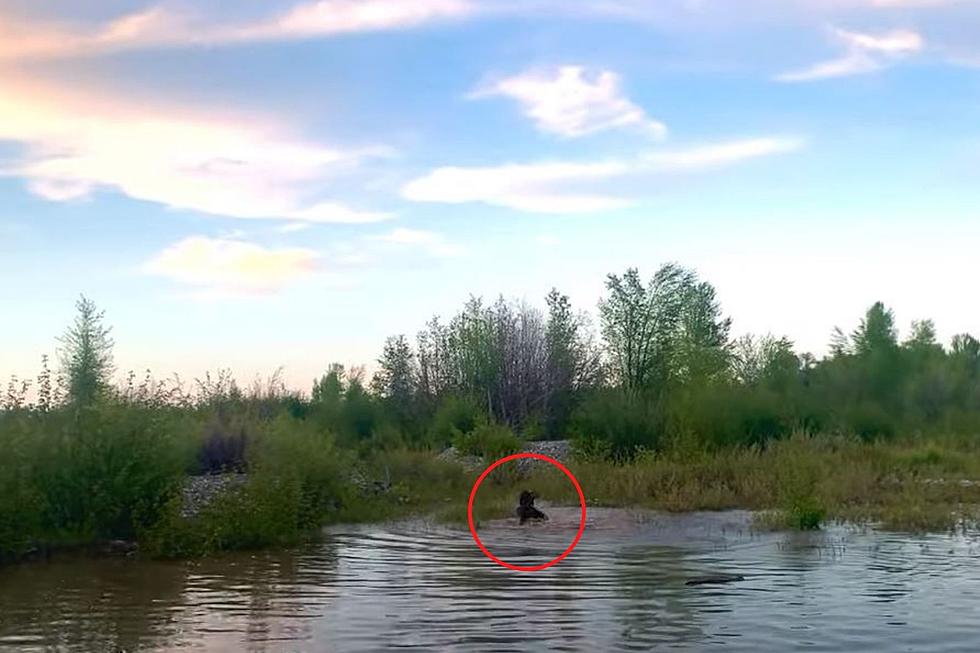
(256, 184)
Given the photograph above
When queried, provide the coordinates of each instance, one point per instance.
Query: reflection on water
(415, 585)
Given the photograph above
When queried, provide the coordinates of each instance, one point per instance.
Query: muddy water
(420, 586)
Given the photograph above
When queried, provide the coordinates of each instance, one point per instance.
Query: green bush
(490, 441)
(107, 471)
(297, 480)
(454, 415)
(805, 513)
(626, 423)
(591, 449)
(21, 503)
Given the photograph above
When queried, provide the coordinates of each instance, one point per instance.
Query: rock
(560, 450)
(469, 463)
(199, 492)
(715, 579)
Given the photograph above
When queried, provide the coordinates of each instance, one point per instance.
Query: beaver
(526, 509)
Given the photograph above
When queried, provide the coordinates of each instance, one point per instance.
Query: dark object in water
(715, 579)
(527, 510)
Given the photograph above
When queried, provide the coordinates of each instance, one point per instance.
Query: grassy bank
(907, 485)
(75, 477)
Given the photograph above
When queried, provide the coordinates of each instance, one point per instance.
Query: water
(424, 587)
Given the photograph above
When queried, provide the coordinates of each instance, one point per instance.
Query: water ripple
(417, 586)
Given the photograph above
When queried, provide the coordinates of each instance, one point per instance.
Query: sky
(250, 185)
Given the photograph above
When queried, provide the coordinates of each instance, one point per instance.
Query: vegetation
(665, 407)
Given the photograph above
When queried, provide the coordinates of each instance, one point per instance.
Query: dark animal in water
(526, 509)
(715, 579)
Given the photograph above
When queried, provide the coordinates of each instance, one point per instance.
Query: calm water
(418, 586)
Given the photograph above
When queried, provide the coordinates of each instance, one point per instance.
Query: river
(416, 585)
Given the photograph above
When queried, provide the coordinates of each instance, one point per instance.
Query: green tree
(640, 324)
(86, 354)
(703, 348)
(395, 381)
(573, 362)
(877, 332)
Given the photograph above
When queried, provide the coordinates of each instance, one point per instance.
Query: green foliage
(297, 481)
(395, 382)
(669, 331)
(455, 415)
(490, 441)
(677, 406)
(86, 355)
(626, 422)
(21, 502)
(105, 471)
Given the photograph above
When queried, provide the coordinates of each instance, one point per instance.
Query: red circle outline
(476, 486)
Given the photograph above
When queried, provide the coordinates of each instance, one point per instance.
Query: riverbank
(910, 485)
(299, 485)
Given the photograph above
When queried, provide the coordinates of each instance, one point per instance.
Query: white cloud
(226, 266)
(524, 187)
(571, 102)
(720, 154)
(433, 243)
(159, 26)
(77, 144)
(865, 53)
(543, 187)
(896, 42)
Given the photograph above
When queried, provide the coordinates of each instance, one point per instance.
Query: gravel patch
(560, 450)
(199, 492)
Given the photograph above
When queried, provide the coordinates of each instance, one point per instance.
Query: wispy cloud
(160, 26)
(545, 187)
(228, 266)
(719, 154)
(77, 144)
(534, 188)
(865, 53)
(570, 101)
(430, 242)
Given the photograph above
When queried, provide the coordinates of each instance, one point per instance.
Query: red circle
(476, 486)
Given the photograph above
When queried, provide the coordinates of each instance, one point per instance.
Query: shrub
(626, 423)
(21, 503)
(107, 471)
(454, 415)
(491, 441)
(805, 513)
(591, 449)
(297, 480)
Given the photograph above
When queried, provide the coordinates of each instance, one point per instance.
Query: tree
(86, 354)
(877, 331)
(703, 349)
(474, 356)
(395, 381)
(878, 359)
(923, 335)
(639, 324)
(434, 368)
(767, 359)
(669, 331)
(329, 388)
(840, 344)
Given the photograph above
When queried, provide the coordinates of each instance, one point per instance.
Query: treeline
(660, 368)
(663, 367)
